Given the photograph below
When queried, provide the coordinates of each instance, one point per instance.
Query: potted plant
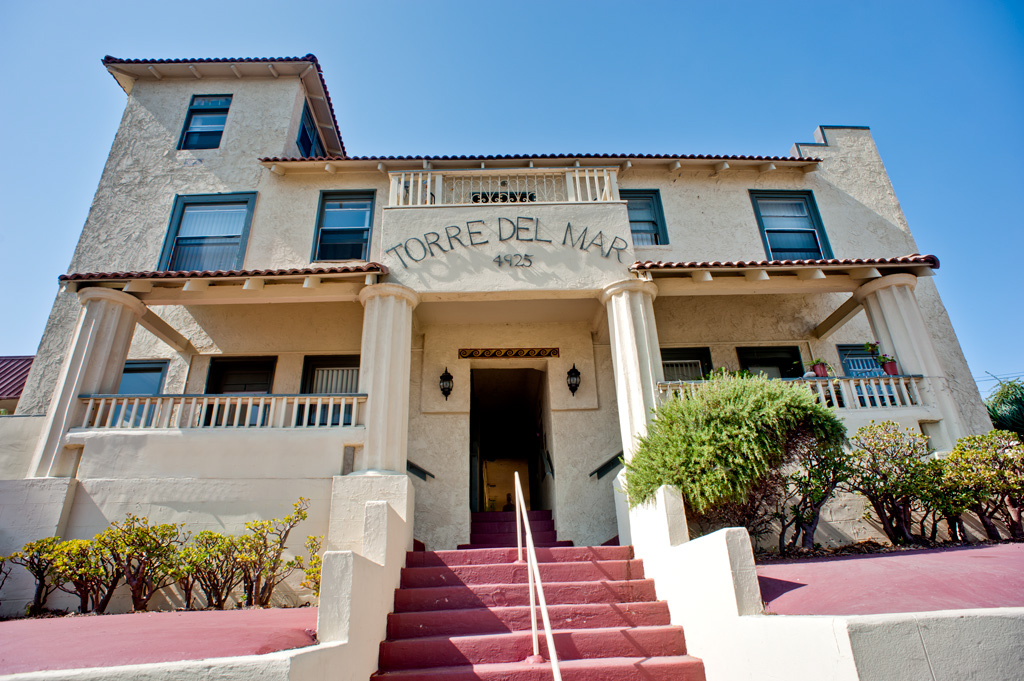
(887, 362)
(820, 367)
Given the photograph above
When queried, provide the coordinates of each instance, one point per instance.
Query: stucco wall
(18, 436)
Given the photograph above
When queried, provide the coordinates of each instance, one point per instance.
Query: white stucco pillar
(900, 329)
(384, 376)
(636, 355)
(93, 365)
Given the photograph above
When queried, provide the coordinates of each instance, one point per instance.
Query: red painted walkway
(906, 581)
(114, 640)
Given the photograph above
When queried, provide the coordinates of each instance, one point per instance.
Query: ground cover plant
(148, 558)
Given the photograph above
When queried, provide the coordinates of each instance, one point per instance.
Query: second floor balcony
(503, 186)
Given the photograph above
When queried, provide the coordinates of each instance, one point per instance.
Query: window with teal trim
(646, 218)
(204, 124)
(208, 232)
(309, 142)
(343, 226)
(790, 225)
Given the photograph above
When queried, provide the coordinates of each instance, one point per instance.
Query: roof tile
(912, 259)
(368, 268)
(13, 373)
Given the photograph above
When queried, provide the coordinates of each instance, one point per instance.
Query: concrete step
(504, 545)
(509, 527)
(495, 556)
(571, 644)
(508, 538)
(516, 573)
(476, 621)
(502, 595)
(506, 516)
(672, 668)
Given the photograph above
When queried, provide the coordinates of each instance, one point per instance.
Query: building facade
(252, 313)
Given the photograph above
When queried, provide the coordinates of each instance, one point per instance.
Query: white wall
(18, 437)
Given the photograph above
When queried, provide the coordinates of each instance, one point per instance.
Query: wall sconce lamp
(572, 377)
(446, 384)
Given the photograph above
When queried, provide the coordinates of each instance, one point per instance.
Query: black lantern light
(572, 377)
(446, 384)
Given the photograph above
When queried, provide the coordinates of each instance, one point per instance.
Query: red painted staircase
(496, 529)
(465, 614)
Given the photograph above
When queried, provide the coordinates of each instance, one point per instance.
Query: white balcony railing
(524, 185)
(222, 411)
(867, 392)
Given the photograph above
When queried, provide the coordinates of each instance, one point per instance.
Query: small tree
(37, 558)
(887, 467)
(185, 572)
(218, 570)
(146, 555)
(1006, 407)
(809, 486)
(5, 571)
(944, 497)
(311, 568)
(992, 467)
(260, 554)
(717, 445)
(85, 568)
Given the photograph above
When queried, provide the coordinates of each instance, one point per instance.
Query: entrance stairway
(497, 529)
(462, 615)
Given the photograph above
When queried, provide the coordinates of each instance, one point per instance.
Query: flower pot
(889, 368)
(820, 370)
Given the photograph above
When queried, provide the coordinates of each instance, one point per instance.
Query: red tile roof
(245, 60)
(525, 157)
(368, 268)
(13, 372)
(913, 259)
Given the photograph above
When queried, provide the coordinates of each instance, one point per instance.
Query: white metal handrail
(503, 186)
(533, 577)
(222, 411)
(846, 392)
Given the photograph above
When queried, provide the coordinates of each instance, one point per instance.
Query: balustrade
(523, 185)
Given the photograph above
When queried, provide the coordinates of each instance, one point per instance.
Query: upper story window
(204, 123)
(208, 232)
(858, 362)
(343, 226)
(309, 139)
(685, 364)
(646, 219)
(790, 226)
(773, 362)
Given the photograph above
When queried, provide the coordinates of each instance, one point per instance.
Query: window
(239, 376)
(343, 226)
(139, 378)
(208, 232)
(790, 226)
(686, 364)
(204, 123)
(773, 362)
(326, 376)
(646, 219)
(309, 139)
(858, 362)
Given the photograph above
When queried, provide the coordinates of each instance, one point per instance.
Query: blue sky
(941, 85)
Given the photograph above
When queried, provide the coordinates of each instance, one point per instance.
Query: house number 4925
(515, 260)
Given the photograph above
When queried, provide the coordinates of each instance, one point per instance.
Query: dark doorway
(506, 433)
(239, 376)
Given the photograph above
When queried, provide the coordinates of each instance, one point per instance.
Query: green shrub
(146, 555)
(990, 468)
(37, 558)
(1006, 407)
(86, 569)
(218, 570)
(311, 568)
(722, 442)
(260, 554)
(5, 572)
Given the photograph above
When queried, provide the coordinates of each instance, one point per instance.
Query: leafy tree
(944, 497)
(887, 467)
(719, 443)
(37, 558)
(86, 569)
(146, 555)
(1006, 407)
(809, 486)
(314, 545)
(992, 467)
(218, 570)
(260, 554)
(185, 572)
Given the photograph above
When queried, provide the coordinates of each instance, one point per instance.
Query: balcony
(503, 186)
(857, 399)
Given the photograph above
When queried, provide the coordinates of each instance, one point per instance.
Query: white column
(900, 329)
(636, 355)
(384, 376)
(93, 365)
